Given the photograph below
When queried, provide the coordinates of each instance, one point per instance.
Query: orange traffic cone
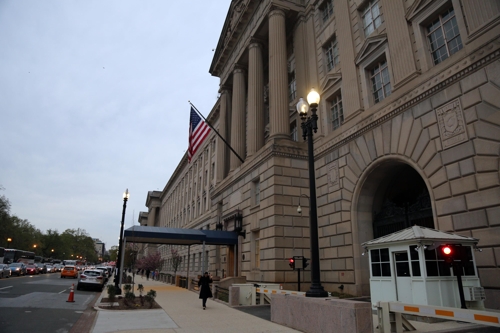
(71, 297)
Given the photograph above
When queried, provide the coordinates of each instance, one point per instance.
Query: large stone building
(409, 133)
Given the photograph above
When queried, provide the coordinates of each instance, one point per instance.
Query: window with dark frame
(337, 111)
(292, 86)
(294, 134)
(331, 54)
(326, 9)
(381, 265)
(372, 19)
(444, 36)
(381, 83)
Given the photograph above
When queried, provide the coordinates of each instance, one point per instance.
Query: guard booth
(409, 266)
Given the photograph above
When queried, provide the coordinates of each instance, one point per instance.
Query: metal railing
(221, 294)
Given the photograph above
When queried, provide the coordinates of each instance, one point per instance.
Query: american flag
(198, 131)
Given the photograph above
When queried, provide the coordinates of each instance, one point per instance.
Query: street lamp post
(126, 195)
(310, 125)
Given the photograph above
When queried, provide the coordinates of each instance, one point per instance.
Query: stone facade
(394, 114)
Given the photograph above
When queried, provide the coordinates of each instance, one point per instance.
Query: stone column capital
(239, 69)
(276, 11)
(225, 89)
(256, 42)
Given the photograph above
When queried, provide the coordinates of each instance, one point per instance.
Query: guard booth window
(468, 266)
(402, 265)
(381, 265)
(435, 264)
(415, 264)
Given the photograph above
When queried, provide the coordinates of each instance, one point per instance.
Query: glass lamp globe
(313, 97)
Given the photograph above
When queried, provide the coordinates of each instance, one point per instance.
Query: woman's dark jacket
(204, 284)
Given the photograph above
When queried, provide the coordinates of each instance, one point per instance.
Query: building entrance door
(403, 277)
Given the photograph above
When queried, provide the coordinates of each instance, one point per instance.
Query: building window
(212, 171)
(372, 19)
(444, 36)
(326, 10)
(256, 192)
(337, 111)
(381, 265)
(331, 54)
(381, 84)
(294, 131)
(292, 86)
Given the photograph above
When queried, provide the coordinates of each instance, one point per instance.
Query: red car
(31, 270)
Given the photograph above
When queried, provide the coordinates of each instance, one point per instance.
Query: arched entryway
(402, 200)
(391, 196)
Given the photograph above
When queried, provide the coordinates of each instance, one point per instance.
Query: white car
(92, 278)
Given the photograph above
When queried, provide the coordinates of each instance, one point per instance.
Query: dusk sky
(94, 99)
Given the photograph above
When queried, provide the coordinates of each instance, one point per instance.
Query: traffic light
(304, 262)
(448, 253)
(291, 262)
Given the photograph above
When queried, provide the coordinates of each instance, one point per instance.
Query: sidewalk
(182, 313)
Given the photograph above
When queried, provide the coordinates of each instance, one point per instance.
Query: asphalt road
(39, 304)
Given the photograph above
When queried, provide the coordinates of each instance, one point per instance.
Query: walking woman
(205, 292)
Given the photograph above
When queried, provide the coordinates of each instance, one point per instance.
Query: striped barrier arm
(279, 292)
(471, 316)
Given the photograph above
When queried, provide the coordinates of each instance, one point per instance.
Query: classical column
(255, 132)
(278, 76)
(238, 118)
(221, 146)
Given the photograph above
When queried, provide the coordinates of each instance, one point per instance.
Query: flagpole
(206, 121)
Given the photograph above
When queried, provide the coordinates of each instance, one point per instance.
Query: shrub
(140, 288)
(150, 297)
(127, 288)
(111, 293)
(129, 298)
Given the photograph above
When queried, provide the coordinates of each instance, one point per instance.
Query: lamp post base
(118, 290)
(316, 291)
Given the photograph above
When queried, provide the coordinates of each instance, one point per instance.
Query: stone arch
(373, 178)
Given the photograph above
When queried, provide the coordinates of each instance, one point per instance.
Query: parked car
(17, 268)
(69, 271)
(32, 270)
(42, 268)
(104, 272)
(91, 278)
(4, 271)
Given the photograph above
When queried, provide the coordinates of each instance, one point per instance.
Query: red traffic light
(291, 262)
(447, 250)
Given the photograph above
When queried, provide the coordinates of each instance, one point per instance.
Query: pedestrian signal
(305, 262)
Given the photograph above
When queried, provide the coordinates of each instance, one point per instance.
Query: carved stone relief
(451, 124)
(333, 174)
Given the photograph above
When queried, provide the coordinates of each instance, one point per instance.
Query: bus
(14, 255)
(69, 262)
(2, 251)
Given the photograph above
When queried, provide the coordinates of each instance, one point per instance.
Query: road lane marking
(62, 291)
(6, 287)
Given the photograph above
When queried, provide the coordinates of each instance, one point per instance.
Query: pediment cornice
(416, 8)
(330, 80)
(371, 44)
